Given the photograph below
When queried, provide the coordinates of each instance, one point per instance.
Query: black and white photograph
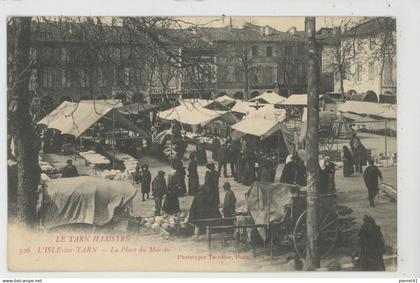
(202, 143)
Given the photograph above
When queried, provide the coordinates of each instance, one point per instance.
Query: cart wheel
(326, 140)
(328, 232)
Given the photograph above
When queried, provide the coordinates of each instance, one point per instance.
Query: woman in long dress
(171, 204)
(348, 164)
(193, 181)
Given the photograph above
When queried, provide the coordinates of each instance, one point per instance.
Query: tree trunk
(246, 86)
(312, 150)
(341, 71)
(24, 133)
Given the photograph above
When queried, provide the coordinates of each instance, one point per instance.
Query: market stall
(97, 124)
(83, 200)
(269, 98)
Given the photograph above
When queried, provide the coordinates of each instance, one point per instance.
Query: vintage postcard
(202, 144)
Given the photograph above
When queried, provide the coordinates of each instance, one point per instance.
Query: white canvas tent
(269, 97)
(297, 100)
(246, 107)
(225, 100)
(74, 118)
(191, 113)
(387, 111)
(257, 125)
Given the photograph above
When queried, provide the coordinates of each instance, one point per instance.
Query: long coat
(372, 248)
(201, 154)
(211, 182)
(360, 155)
(201, 208)
(293, 173)
(171, 204)
(229, 204)
(145, 179)
(371, 177)
(193, 181)
(159, 186)
(348, 168)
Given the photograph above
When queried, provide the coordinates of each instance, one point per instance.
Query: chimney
(267, 30)
(292, 30)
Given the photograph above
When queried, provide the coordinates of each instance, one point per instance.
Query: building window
(47, 78)
(268, 75)
(213, 73)
(254, 51)
(84, 79)
(371, 70)
(65, 56)
(230, 74)
(100, 82)
(32, 79)
(239, 77)
(126, 76)
(359, 73)
(65, 78)
(269, 51)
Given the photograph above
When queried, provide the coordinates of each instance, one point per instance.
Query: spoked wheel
(326, 140)
(328, 232)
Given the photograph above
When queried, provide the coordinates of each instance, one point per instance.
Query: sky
(279, 23)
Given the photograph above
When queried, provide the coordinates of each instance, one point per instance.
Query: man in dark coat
(211, 182)
(145, 178)
(360, 155)
(69, 170)
(371, 177)
(158, 191)
(215, 148)
(229, 204)
(372, 246)
(294, 172)
(180, 173)
(201, 209)
(171, 203)
(201, 153)
(222, 160)
(193, 181)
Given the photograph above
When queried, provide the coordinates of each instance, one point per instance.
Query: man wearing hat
(69, 170)
(158, 191)
(229, 204)
(145, 178)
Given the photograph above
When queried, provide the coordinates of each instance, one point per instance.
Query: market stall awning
(136, 108)
(258, 127)
(74, 118)
(225, 100)
(297, 100)
(245, 107)
(269, 97)
(190, 114)
(382, 110)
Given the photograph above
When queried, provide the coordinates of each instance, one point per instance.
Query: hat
(69, 161)
(210, 165)
(160, 172)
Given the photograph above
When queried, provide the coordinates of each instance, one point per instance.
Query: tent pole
(386, 142)
(113, 138)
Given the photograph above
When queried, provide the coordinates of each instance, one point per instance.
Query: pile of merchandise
(170, 223)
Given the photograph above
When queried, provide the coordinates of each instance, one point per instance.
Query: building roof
(269, 97)
(228, 34)
(373, 26)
